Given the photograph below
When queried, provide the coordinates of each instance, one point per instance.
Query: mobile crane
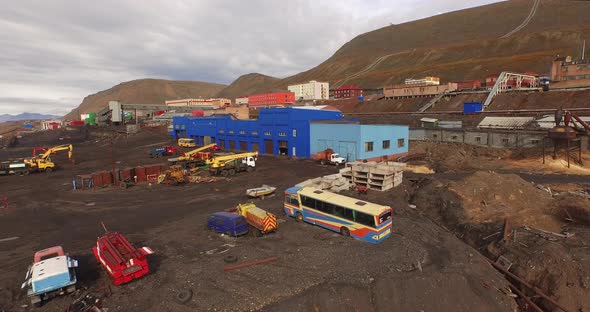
(43, 162)
(194, 158)
(230, 164)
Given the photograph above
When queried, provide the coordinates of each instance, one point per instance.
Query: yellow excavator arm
(68, 147)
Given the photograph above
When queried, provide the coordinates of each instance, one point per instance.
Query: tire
(257, 233)
(250, 169)
(232, 172)
(184, 296)
(48, 170)
(26, 172)
(298, 217)
(224, 173)
(230, 259)
(345, 232)
(322, 162)
(123, 185)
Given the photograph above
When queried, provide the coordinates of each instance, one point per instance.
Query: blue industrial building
(355, 141)
(277, 131)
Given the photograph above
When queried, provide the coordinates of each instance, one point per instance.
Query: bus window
(364, 219)
(293, 201)
(308, 202)
(384, 217)
(338, 211)
(348, 214)
(327, 207)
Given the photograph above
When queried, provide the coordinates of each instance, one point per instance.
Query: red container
(107, 177)
(140, 172)
(97, 179)
(197, 113)
(77, 123)
(126, 174)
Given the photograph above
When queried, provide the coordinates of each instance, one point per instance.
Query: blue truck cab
(228, 223)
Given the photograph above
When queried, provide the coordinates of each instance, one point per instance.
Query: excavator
(44, 163)
(194, 158)
(231, 164)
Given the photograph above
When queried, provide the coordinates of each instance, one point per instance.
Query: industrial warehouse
(440, 164)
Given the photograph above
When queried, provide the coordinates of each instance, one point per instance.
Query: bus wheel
(345, 232)
(299, 217)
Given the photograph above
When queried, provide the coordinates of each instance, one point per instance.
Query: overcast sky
(54, 53)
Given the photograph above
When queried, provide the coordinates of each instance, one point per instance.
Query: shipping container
(140, 173)
(97, 179)
(472, 107)
(197, 113)
(107, 177)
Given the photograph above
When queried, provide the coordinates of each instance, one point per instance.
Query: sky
(54, 53)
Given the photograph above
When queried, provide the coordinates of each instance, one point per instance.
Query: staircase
(432, 102)
(495, 90)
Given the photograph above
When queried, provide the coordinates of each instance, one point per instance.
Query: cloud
(54, 53)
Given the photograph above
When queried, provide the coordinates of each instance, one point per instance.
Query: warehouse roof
(506, 122)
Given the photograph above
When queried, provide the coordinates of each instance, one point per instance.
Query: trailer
(51, 274)
(261, 220)
(122, 261)
(14, 167)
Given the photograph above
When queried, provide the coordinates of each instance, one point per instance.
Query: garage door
(243, 146)
(347, 150)
(221, 144)
(268, 147)
(232, 145)
(255, 147)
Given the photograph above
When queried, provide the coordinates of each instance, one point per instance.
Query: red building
(271, 99)
(468, 85)
(347, 92)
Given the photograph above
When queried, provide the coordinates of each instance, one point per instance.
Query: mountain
(146, 91)
(460, 45)
(26, 116)
(248, 84)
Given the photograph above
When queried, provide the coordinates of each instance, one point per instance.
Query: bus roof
(344, 201)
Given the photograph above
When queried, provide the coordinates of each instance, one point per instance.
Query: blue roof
(293, 189)
(227, 215)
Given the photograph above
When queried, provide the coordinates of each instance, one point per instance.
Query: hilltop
(465, 44)
(248, 84)
(146, 91)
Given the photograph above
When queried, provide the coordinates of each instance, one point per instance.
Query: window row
(341, 212)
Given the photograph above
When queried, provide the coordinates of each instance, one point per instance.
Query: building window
(282, 133)
(267, 133)
(221, 131)
(454, 138)
(386, 144)
(434, 136)
(242, 131)
(505, 141)
(231, 131)
(401, 142)
(477, 139)
(535, 141)
(255, 132)
(368, 146)
(294, 132)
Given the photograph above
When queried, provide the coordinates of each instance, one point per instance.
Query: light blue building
(355, 141)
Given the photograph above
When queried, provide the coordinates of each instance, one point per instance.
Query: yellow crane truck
(231, 164)
(43, 162)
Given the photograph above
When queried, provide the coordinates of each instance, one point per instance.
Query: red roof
(349, 87)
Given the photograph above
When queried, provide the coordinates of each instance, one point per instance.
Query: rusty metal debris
(247, 264)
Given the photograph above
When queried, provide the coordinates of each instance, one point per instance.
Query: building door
(206, 140)
(222, 144)
(255, 147)
(243, 146)
(283, 148)
(268, 147)
(347, 150)
(232, 145)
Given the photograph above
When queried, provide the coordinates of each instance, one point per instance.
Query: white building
(312, 90)
(423, 81)
(242, 100)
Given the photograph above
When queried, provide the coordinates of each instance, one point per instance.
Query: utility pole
(583, 49)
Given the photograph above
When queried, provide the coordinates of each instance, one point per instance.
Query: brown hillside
(248, 84)
(146, 91)
(459, 45)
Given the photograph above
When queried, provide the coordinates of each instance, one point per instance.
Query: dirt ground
(421, 267)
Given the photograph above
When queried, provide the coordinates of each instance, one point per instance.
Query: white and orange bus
(350, 216)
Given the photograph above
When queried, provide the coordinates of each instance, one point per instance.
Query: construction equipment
(163, 151)
(43, 162)
(174, 175)
(261, 220)
(14, 167)
(194, 158)
(184, 142)
(328, 156)
(231, 164)
(122, 261)
(51, 274)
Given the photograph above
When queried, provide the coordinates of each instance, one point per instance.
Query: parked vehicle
(14, 167)
(228, 223)
(163, 151)
(328, 156)
(184, 142)
(51, 274)
(122, 261)
(194, 158)
(260, 220)
(349, 216)
(232, 164)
